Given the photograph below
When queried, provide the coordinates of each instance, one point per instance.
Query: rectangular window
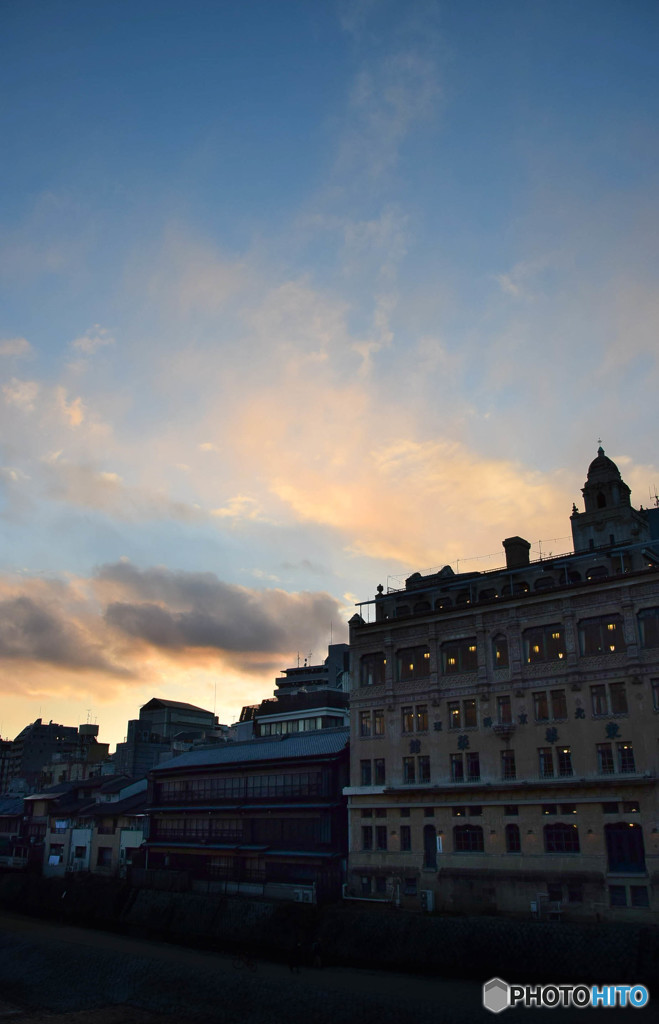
(459, 656)
(364, 723)
(648, 625)
(454, 715)
(379, 772)
(655, 694)
(625, 757)
(605, 764)
(371, 669)
(560, 838)
(412, 663)
(558, 704)
(365, 773)
(504, 710)
(639, 896)
(407, 714)
(610, 808)
(405, 837)
(367, 812)
(429, 812)
(575, 892)
(378, 722)
(422, 718)
(408, 770)
(511, 810)
(404, 812)
(462, 715)
(568, 808)
(546, 762)
(459, 812)
(367, 837)
(469, 712)
(380, 812)
(617, 896)
(508, 770)
(381, 837)
(500, 651)
(104, 858)
(618, 699)
(423, 766)
(564, 762)
(631, 807)
(457, 768)
(598, 700)
(544, 643)
(541, 707)
(473, 767)
(603, 635)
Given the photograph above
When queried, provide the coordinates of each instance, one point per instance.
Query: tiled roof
(274, 748)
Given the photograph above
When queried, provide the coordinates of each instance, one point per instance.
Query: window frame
(459, 656)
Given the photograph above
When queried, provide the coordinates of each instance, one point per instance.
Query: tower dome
(604, 487)
(608, 518)
(602, 468)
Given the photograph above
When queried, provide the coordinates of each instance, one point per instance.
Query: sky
(298, 298)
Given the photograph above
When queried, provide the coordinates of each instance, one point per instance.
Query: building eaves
(321, 743)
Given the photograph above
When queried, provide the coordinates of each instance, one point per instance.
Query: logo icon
(496, 995)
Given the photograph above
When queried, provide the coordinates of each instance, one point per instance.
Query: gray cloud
(184, 610)
(32, 630)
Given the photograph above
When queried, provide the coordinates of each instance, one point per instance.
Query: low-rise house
(13, 853)
(94, 826)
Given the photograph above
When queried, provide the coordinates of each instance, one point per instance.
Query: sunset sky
(298, 297)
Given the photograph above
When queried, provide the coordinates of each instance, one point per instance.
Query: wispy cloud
(92, 340)
(15, 347)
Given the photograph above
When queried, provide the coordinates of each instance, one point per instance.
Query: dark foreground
(65, 974)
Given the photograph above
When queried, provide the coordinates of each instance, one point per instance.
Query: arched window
(598, 572)
(560, 838)
(601, 500)
(421, 606)
(468, 839)
(544, 583)
(513, 840)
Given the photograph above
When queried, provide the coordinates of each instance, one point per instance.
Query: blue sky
(295, 297)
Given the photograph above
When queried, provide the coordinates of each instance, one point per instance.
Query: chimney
(517, 552)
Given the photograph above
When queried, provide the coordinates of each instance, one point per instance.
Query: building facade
(265, 817)
(306, 698)
(505, 727)
(162, 725)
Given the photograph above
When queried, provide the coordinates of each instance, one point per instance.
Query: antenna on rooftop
(652, 491)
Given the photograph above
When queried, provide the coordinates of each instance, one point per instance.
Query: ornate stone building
(505, 727)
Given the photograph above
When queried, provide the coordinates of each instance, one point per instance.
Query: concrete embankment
(375, 937)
